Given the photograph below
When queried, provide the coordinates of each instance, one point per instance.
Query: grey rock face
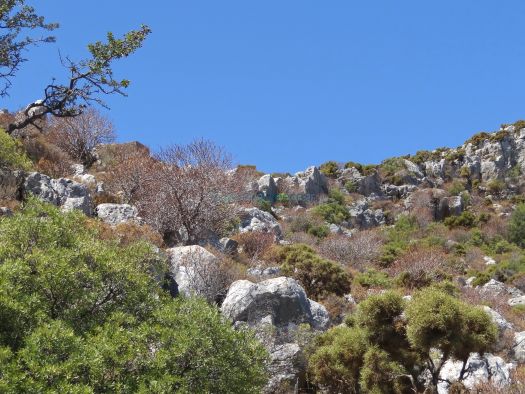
(61, 192)
(311, 184)
(228, 246)
(117, 213)
(287, 368)
(281, 298)
(253, 219)
(4, 211)
(363, 217)
(362, 184)
(267, 188)
(483, 369)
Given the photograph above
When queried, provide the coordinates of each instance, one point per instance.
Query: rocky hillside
(399, 277)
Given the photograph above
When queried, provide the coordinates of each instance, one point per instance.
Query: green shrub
(318, 276)
(456, 188)
(283, 198)
(12, 155)
(357, 166)
(373, 278)
(80, 314)
(516, 226)
(319, 231)
(332, 212)
(519, 124)
(496, 186)
(351, 186)
(467, 219)
(330, 169)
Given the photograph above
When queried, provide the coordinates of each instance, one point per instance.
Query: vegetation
(330, 169)
(12, 155)
(83, 314)
(380, 351)
(516, 228)
(318, 276)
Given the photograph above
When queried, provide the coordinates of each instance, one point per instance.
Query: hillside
(177, 271)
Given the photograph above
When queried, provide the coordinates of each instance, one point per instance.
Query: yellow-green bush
(12, 155)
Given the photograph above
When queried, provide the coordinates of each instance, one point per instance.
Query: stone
(497, 319)
(281, 298)
(194, 270)
(489, 260)
(482, 369)
(5, 212)
(308, 185)
(519, 347)
(61, 192)
(494, 287)
(361, 216)
(286, 368)
(117, 213)
(516, 301)
(228, 246)
(254, 219)
(267, 189)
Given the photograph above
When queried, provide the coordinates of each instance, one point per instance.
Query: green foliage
(319, 231)
(519, 124)
(456, 188)
(372, 278)
(516, 226)
(456, 154)
(337, 359)
(82, 314)
(495, 186)
(351, 186)
(437, 320)
(283, 198)
(318, 276)
(478, 139)
(467, 219)
(380, 374)
(398, 239)
(12, 155)
(357, 166)
(332, 212)
(330, 169)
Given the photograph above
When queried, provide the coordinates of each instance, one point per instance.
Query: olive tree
(20, 28)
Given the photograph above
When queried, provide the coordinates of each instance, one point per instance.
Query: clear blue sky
(289, 83)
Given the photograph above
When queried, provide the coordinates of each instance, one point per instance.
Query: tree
(82, 314)
(437, 320)
(189, 197)
(516, 228)
(78, 136)
(15, 19)
(88, 80)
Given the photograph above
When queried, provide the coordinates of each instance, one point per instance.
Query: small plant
(372, 278)
(456, 187)
(351, 186)
(467, 219)
(283, 198)
(332, 212)
(357, 166)
(330, 169)
(519, 125)
(495, 186)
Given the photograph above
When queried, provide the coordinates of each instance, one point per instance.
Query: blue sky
(285, 84)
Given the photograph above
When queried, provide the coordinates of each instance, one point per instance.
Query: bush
(495, 186)
(467, 219)
(456, 188)
(12, 155)
(318, 276)
(352, 164)
(283, 198)
(372, 278)
(330, 169)
(516, 226)
(79, 314)
(351, 186)
(49, 158)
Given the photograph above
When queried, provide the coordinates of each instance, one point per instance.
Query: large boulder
(286, 368)
(61, 192)
(363, 217)
(482, 369)
(117, 213)
(195, 270)
(282, 300)
(254, 219)
(354, 181)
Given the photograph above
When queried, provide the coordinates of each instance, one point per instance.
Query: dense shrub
(495, 186)
(372, 278)
(467, 219)
(516, 226)
(48, 158)
(80, 314)
(12, 155)
(330, 169)
(318, 276)
(456, 187)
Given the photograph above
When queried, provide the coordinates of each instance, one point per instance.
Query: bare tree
(79, 136)
(130, 174)
(191, 194)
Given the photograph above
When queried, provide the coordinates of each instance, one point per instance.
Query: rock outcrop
(253, 219)
(117, 213)
(61, 192)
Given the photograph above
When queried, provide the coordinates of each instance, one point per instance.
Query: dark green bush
(516, 226)
(79, 314)
(318, 276)
(332, 212)
(372, 278)
(467, 219)
(12, 155)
